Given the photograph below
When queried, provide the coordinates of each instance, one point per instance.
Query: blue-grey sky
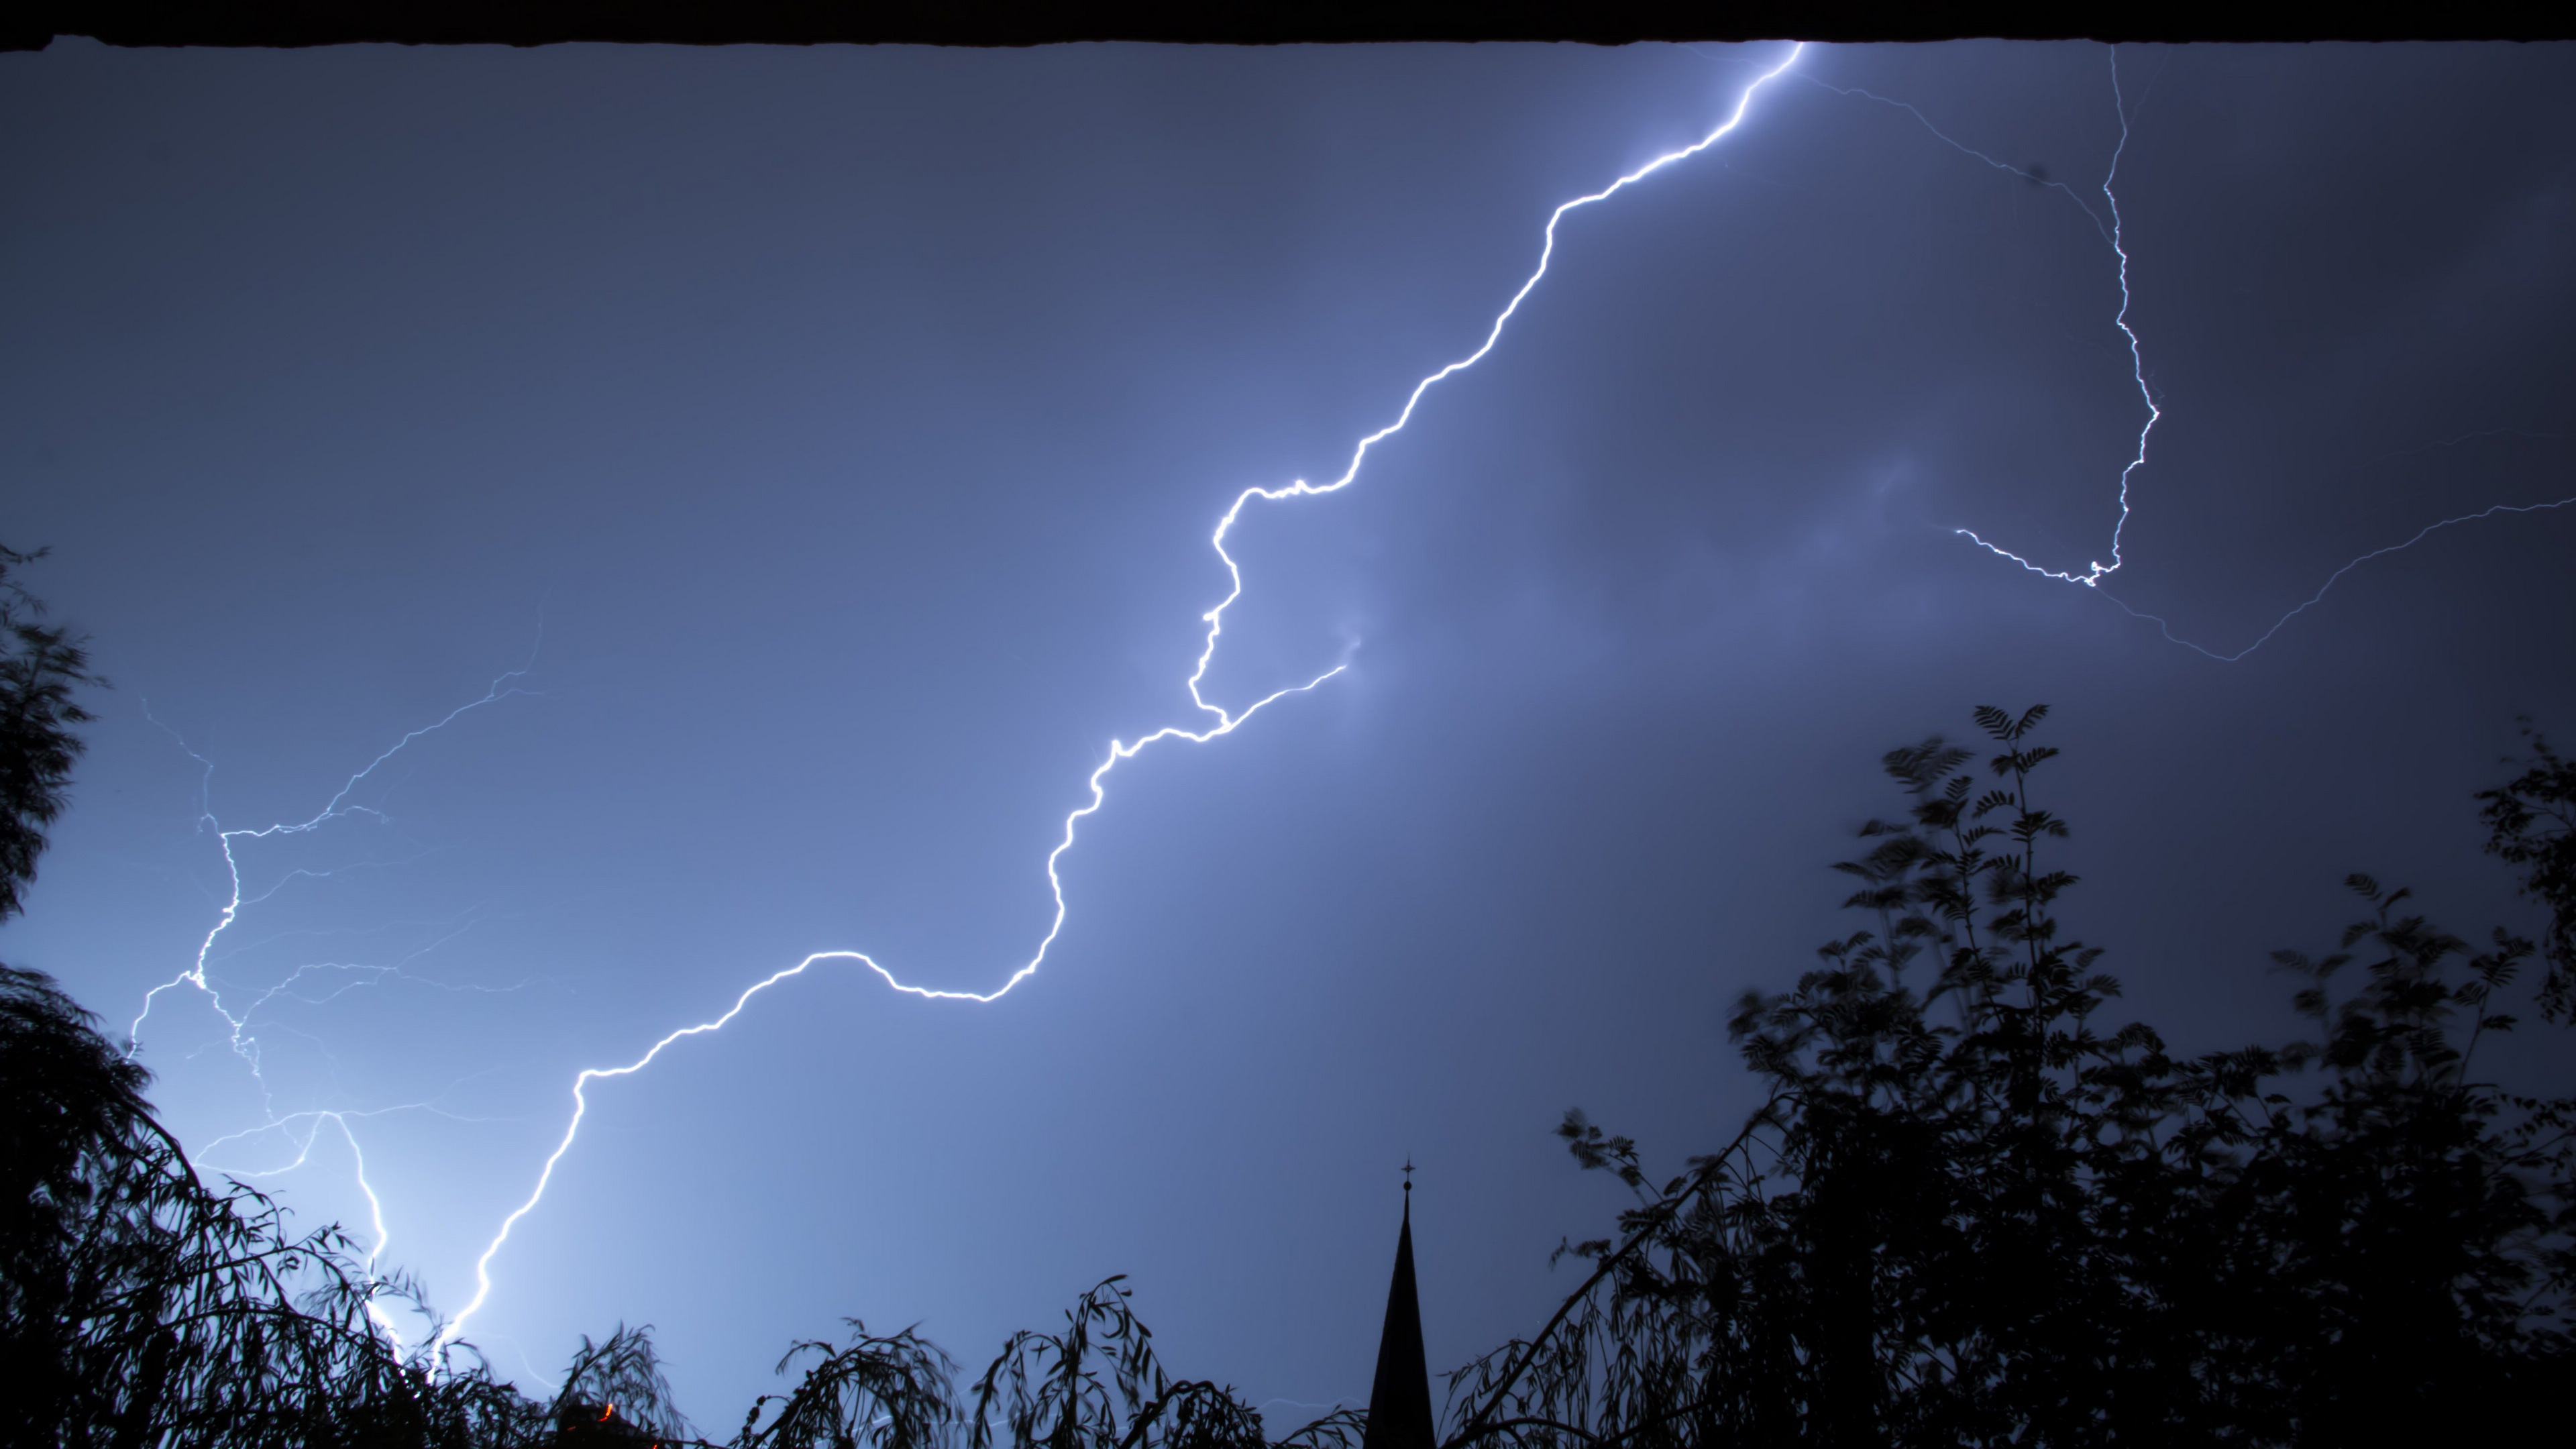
(832, 437)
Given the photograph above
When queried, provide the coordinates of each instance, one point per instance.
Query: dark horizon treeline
(1968, 1211)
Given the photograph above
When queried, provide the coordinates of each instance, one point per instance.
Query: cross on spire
(1399, 1415)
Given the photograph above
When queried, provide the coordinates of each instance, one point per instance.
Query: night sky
(826, 445)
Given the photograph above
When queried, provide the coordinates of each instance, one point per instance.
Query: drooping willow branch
(1657, 1218)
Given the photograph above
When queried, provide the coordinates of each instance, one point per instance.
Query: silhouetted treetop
(40, 664)
(2531, 822)
(1971, 1211)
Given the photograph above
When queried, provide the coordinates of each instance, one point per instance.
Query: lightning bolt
(1225, 722)
(312, 1123)
(2096, 571)
(241, 1037)
(337, 808)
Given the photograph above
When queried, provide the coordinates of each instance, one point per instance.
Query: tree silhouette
(1098, 1385)
(142, 1307)
(2531, 822)
(40, 664)
(1968, 1213)
(880, 1392)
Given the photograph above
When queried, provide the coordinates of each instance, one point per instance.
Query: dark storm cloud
(855, 422)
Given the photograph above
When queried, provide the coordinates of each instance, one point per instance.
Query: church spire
(1399, 1415)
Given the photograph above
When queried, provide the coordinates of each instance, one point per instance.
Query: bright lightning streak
(2097, 571)
(242, 1039)
(1226, 722)
(358, 1156)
